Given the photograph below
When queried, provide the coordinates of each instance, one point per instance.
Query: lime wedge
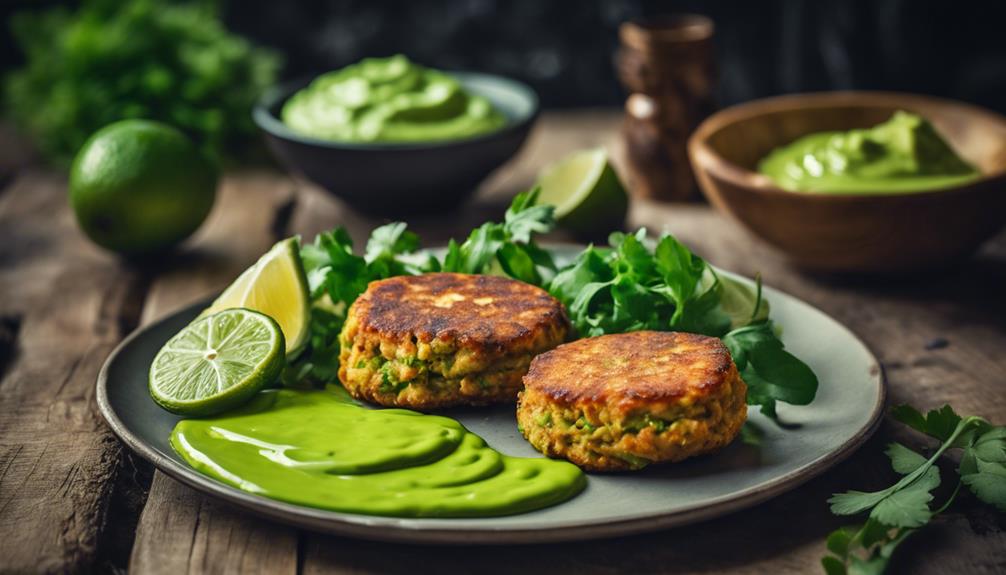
(217, 362)
(587, 194)
(276, 286)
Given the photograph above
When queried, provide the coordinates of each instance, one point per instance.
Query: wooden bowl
(853, 232)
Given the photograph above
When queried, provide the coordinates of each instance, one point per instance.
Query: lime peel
(586, 192)
(275, 285)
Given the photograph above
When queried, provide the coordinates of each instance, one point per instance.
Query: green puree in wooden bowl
(902, 155)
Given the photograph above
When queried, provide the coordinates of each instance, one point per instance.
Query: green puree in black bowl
(389, 100)
(904, 154)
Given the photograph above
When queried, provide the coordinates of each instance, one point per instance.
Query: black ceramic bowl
(392, 179)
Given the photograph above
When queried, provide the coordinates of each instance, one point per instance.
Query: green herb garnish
(630, 287)
(903, 508)
(508, 245)
(109, 61)
(626, 286)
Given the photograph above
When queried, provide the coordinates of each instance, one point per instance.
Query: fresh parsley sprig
(899, 510)
(102, 61)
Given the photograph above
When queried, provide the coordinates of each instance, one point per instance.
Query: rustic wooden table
(72, 499)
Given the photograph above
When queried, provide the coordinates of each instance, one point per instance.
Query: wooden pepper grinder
(667, 66)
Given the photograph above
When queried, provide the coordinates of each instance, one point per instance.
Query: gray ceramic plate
(845, 413)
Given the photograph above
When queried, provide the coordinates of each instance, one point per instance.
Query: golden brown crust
(490, 312)
(625, 401)
(444, 339)
(631, 368)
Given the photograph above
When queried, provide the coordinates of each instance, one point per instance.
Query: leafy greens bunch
(508, 247)
(111, 60)
(626, 286)
(903, 508)
(629, 287)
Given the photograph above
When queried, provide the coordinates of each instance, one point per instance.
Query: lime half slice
(587, 194)
(276, 286)
(217, 362)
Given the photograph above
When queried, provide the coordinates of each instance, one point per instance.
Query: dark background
(952, 48)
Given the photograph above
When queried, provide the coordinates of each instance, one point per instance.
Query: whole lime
(140, 187)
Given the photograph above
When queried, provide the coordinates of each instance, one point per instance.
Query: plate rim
(380, 528)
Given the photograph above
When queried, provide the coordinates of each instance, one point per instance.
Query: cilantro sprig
(901, 509)
(625, 286)
(509, 244)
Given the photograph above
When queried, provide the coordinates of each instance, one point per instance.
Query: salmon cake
(445, 339)
(624, 401)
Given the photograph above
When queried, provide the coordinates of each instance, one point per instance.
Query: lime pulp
(275, 285)
(217, 362)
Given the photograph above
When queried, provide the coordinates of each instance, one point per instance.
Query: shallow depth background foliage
(110, 60)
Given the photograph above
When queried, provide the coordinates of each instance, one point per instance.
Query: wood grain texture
(63, 307)
(180, 530)
(183, 531)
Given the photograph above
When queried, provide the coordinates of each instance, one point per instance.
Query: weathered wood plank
(64, 305)
(183, 531)
(180, 530)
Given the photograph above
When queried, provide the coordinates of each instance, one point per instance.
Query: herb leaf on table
(899, 510)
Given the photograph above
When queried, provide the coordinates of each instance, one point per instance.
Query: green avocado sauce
(389, 100)
(320, 449)
(904, 154)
